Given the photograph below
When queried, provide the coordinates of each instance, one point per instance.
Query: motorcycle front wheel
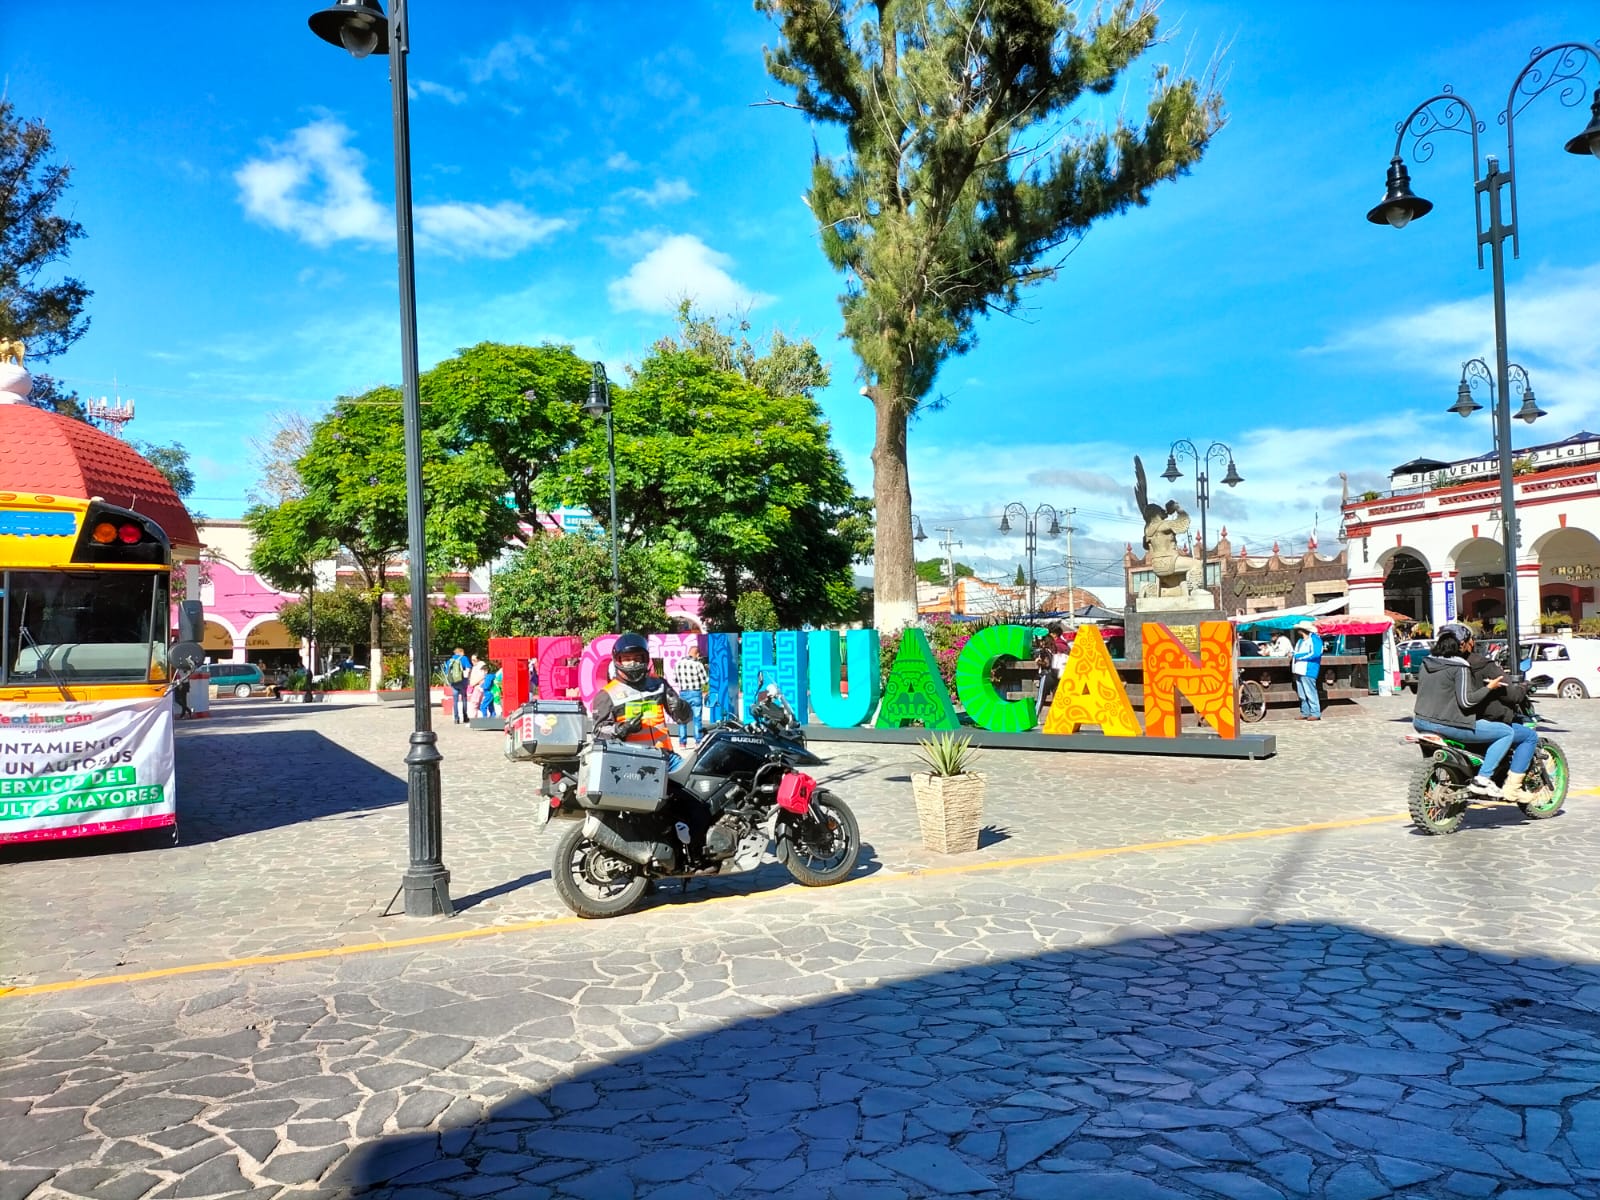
(822, 846)
(1438, 801)
(1549, 793)
(592, 881)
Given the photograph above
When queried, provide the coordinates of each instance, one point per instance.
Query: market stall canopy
(1288, 618)
(1094, 612)
(1349, 626)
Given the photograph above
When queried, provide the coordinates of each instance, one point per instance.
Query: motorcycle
(741, 788)
(1439, 792)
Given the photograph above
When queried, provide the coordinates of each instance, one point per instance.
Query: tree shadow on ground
(1244, 1061)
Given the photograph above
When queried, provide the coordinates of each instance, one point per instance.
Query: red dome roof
(58, 456)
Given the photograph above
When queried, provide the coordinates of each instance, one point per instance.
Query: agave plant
(947, 754)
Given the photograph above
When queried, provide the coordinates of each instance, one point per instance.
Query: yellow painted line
(1588, 791)
(459, 935)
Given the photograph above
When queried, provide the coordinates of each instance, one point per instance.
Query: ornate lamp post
(1030, 526)
(1216, 452)
(361, 28)
(1473, 372)
(1565, 62)
(599, 407)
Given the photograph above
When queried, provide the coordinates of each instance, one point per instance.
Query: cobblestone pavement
(1348, 1012)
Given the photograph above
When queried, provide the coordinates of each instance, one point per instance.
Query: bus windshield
(83, 626)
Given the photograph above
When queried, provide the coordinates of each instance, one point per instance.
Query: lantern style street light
(360, 27)
(599, 407)
(1030, 527)
(1560, 69)
(1216, 452)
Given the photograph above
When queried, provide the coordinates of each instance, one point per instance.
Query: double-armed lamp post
(1216, 452)
(1558, 68)
(1030, 528)
(360, 27)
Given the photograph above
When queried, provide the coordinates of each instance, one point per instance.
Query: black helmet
(630, 643)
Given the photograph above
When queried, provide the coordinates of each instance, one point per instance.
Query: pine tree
(961, 179)
(47, 317)
(1021, 580)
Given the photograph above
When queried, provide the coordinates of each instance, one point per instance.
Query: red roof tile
(55, 455)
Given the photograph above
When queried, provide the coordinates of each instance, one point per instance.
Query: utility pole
(950, 566)
(1071, 588)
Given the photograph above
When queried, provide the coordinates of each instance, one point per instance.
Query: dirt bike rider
(1450, 702)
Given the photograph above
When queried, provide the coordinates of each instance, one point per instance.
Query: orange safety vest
(653, 729)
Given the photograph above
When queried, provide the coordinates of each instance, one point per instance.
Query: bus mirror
(186, 656)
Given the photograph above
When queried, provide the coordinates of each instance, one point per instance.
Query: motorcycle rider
(1504, 707)
(636, 705)
(1450, 700)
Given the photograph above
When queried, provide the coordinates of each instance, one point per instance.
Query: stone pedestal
(1177, 613)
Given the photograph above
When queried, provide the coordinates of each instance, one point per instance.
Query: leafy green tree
(355, 494)
(343, 618)
(1021, 580)
(47, 316)
(287, 542)
(449, 627)
(932, 570)
(172, 461)
(967, 168)
(478, 402)
(562, 585)
(754, 612)
(744, 484)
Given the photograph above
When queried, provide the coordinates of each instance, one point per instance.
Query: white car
(1570, 669)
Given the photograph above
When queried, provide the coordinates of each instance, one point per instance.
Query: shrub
(947, 754)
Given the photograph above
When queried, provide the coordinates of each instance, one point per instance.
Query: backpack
(454, 673)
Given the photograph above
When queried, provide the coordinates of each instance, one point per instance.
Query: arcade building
(1430, 547)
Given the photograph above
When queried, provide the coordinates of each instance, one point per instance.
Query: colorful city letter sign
(1090, 691)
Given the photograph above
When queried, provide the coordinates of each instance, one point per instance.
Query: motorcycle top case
(546, 729)
(625, 776)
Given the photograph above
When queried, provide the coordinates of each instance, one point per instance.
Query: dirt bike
(646, 815)
(1439, 791)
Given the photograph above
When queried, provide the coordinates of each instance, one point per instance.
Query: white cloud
(314, 186)
(426, 87)
(1551, 317)
(505, 59)
(682, 266)
(664, 191)
(622, 161)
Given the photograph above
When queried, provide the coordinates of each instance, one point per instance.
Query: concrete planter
(949, 810)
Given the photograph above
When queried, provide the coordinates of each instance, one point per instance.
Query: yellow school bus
(85, 720)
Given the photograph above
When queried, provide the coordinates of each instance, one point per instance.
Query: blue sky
(577, 167)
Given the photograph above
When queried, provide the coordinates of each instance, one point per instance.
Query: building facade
(1242, 582)
(1430, 547)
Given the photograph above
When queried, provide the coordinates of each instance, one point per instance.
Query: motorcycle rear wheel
(820, 848)
(1438, 802)
(592, 881)
(1546, 800)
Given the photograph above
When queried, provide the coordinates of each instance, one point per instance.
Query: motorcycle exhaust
(640, 851)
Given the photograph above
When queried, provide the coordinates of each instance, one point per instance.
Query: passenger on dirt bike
(1450, 702)
(1504, 706)
(637, 706)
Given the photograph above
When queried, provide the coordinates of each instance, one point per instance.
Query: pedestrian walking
(180, 693)
(479, 672)
(489, 705)
(1307, 667)
(690, 677)
(457, 674)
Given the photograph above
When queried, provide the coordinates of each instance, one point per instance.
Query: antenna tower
(110, 415)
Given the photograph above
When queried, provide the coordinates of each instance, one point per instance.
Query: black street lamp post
(1216, 452)
(1030, 528)
(1473, 372)
(361, 28)
(599, 407)
(1563, 71)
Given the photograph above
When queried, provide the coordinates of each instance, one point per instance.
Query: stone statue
(1177, 575)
